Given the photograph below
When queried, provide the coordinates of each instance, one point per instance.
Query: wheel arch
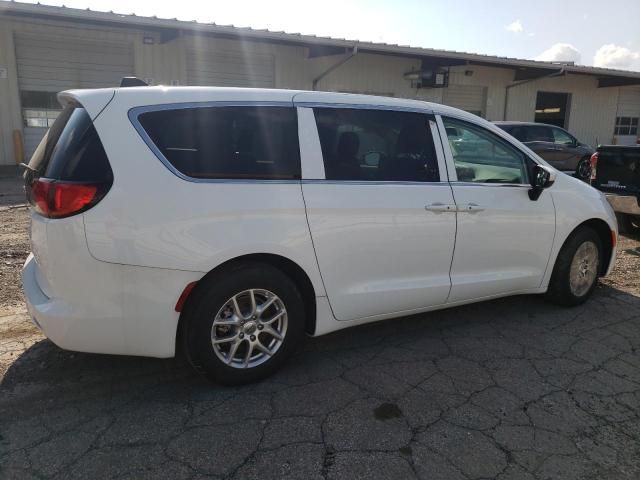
(605, 233)
(286, 266)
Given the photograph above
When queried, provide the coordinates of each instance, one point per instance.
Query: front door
(382, 221)
(568, 154)
(504, 239)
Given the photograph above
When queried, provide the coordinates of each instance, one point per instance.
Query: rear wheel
(575, 273)
(242, 323)
(583, 170)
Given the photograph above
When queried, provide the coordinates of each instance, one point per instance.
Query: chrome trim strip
(372, 182)
(480, 184)
(135, 112)
(361, 106)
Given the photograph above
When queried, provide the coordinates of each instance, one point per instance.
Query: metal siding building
(47, 49)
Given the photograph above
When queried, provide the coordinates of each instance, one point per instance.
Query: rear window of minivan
(71, 150)
(227, 142)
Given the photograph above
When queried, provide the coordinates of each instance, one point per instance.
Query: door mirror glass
(541, 178)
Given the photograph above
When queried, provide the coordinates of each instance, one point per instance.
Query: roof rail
(133, 82)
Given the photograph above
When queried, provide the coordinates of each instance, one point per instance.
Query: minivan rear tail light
(594, 166)
(58, 199)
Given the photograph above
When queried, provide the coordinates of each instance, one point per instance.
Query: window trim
(618, 125)
(498, 132)
(135, 112)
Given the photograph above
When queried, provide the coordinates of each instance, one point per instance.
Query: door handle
(470, 208)
(440, 207)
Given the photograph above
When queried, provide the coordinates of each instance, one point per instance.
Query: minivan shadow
(46, 370)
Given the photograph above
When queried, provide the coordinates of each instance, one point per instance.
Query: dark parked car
(557, 146)
(617, 174)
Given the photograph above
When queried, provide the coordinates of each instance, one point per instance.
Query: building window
(39, 109)
(626, 126)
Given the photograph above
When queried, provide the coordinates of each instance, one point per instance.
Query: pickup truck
(616, 172)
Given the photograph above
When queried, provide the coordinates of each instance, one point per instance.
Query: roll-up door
(471, 98)
(47, 65)
(230, 69)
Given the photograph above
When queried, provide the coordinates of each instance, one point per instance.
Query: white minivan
(232, 221)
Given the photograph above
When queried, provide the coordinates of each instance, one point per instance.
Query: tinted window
(71, 150)
(227, 142)
(561, 137)
(376, 145)
(539, 133)
(481, 156)
(519, 132)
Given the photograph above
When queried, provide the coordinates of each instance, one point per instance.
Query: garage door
(49, 65)
(230, 69)
(472, 98)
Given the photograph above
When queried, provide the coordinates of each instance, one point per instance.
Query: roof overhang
(317, 46)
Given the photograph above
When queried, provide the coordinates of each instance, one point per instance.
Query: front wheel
(575, 273)
(242, 323)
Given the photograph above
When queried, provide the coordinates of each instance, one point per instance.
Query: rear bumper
(72, 325)
(113, 309)
(627, 204)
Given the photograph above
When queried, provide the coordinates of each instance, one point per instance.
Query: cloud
(515, 26)
(560, 52)
(613, 56)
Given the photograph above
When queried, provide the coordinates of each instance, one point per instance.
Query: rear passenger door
(380, 209)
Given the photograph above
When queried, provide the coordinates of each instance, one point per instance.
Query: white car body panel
(199, 225)
(505, 246)
(381, 252)
(108, 280)
(99, 307)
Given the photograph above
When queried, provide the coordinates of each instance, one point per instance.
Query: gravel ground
(508, 389)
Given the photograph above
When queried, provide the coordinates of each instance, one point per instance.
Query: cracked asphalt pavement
(508, 389)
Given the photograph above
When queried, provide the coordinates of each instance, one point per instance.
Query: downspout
(338, 64)
(557, 73)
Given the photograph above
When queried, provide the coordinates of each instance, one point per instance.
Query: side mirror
(542, 177)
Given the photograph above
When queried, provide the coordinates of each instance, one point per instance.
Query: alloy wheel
(249, 328)
(584, 268)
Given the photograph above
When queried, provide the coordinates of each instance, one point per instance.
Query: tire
(572, 288)
(583, 169)
(212, 300)
(628, 224)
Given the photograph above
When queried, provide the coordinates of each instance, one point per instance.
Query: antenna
(133, 82)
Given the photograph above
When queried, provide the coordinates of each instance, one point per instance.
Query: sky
(588, 32)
